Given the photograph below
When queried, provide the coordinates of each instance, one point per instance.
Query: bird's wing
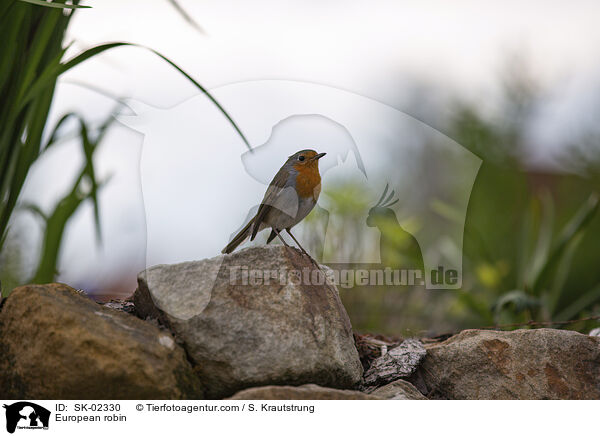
(272, 198)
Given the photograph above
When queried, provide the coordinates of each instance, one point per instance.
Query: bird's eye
(300, 158)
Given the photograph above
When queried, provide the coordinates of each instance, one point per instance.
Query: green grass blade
(544, 235)
(54, 5)
(577, 224)
(57, 221)
(35, 209)
(518, 299)
(561, 275)
(187, 17)
(205, 92)
(50, 75)
(572, 310)
(53, 234)
(54, 135)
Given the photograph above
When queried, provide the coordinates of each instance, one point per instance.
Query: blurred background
(518, 85)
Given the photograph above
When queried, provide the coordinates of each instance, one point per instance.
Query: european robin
(290, 197)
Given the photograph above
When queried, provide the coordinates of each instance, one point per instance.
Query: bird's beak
(319, 156)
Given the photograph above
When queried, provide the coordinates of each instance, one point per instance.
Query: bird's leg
(313, 261)
(301, 248)
(287, 246)
(280, 237)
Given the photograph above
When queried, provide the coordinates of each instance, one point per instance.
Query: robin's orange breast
(308, 181)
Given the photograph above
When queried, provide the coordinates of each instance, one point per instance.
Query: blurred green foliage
(31, 61)
(530, 248)
(85, 187)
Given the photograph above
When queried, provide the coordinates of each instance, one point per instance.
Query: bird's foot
(314, 262)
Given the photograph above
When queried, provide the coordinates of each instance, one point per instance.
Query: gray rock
(521, 364)
(304, 392)
(398, 390)
(240, 334)
(57, 344)
(400, 361)
(120, 305)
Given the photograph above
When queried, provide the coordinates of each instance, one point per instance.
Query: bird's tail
(239, 238)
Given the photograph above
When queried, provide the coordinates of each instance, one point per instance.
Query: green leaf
(57, 221)
(187, 17)
(562, 273)
(518, 299)
(204, 91)
(568, 234)
(50, 75)
(54, 5)
(544, 235)
(35, 209)
(580, 304)
(53, 71)
(54, 135)
(89, 147)
(55, 227)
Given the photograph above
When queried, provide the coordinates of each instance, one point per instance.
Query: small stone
(123, 306)
(400, 361)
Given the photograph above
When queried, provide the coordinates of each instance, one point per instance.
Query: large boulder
(521, 364)
(260, 316)
(58, 344)
(304, 392)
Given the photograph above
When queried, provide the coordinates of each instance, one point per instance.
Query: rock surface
(521, 364)
(58, 344)
(398, 390)
(400, 361)
(304, 392)
(241, 332)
